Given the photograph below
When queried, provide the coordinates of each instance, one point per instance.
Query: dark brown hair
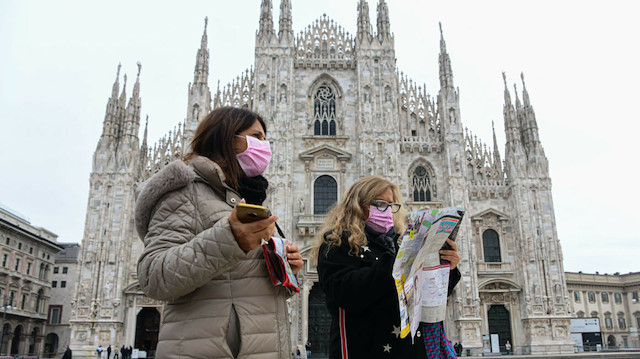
(215, 136)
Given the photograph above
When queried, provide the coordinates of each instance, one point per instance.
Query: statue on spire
(383, 20)
(446, 74)
(286, 30)
(266, 20)
(364, 25)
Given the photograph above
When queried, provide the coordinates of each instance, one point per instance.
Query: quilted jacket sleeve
(349, 285)
(177, 261)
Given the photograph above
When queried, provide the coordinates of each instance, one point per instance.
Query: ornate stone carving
(559, 332)
(104, 336)
(146, 301)
(469, 333)
(81, 336)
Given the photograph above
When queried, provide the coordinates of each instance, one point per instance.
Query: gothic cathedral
(337, 109)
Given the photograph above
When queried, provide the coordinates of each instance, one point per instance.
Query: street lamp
(4, 316)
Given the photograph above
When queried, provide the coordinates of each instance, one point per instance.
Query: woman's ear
(365, 213)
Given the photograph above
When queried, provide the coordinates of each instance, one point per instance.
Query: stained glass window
(491, 245)
(324, 112)
(421, 185)
(325, 194)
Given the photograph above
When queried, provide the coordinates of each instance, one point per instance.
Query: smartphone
(251, 212)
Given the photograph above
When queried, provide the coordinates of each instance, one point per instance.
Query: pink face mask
(255, 159)
(380, 221)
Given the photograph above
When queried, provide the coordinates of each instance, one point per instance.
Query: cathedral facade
(338, 109)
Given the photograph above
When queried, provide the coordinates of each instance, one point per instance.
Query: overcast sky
(581, 61)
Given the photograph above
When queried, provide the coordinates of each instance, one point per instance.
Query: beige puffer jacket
(220, 300)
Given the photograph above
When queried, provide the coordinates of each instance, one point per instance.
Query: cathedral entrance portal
(319, 323)
(500, 323)
(147, 327)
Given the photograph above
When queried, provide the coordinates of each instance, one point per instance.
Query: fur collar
(175, 175)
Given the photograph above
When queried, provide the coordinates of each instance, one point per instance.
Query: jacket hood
(175, 175)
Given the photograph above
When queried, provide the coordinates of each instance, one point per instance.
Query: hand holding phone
(250, 212)
(250, 224)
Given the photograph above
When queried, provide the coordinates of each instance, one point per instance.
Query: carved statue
(301, 204)
(94, 309)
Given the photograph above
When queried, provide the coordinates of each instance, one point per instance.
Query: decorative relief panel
(104, 336)
(81, 336)
(146, 301)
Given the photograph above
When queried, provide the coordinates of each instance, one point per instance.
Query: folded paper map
(421, 279)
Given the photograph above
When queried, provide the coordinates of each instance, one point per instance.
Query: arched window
(5, 336)
(608, 323)
(325, 194)
(617, 297)
(580, 314)
(324, 111)
(32, 342)
(622, 324)
(592, 297)
(605, 297)
(491, 245)
(421, 185)
(576, 296)
(39, 301)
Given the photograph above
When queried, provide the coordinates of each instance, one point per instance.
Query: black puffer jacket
(362, 299)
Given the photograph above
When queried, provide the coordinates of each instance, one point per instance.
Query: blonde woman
(355, 258)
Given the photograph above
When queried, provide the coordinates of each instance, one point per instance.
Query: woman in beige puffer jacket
(206, 264)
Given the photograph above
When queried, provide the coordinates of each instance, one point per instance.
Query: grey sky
(58, 62)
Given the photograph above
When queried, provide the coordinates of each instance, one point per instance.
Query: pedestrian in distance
(307, 347)
(355, 252)
(201, 259)
(67, 353)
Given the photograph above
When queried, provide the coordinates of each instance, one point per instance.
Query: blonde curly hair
(348, 214)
